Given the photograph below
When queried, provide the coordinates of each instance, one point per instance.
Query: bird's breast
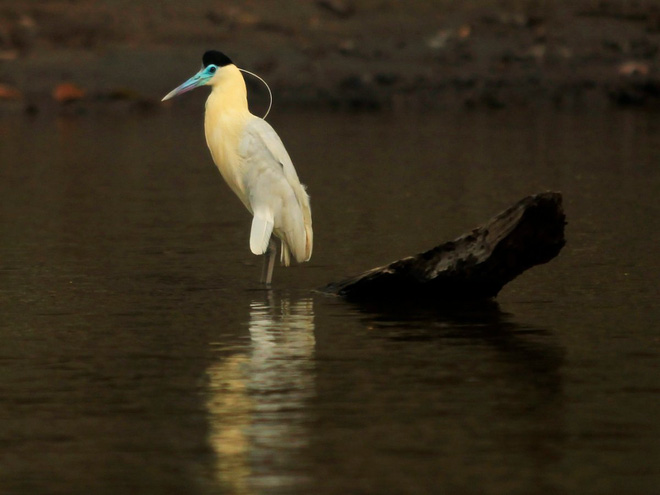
(223, 133)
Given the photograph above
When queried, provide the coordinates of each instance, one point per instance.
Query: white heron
(254, 163)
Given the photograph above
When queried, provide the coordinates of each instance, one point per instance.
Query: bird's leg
(269, 262)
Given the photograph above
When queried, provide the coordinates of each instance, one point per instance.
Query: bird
(254, 163)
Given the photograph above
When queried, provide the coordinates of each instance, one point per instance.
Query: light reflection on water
(258, 400)
(138, 358)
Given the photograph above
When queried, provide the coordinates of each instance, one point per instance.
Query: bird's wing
(259, 133)
(272, 178)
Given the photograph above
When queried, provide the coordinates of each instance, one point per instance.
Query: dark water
(138, 356)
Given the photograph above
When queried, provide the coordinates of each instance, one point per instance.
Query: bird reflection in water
(258, 401)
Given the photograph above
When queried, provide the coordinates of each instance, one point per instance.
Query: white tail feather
(262, 228)
(285, 255)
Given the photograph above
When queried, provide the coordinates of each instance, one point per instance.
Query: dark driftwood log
(473, 267)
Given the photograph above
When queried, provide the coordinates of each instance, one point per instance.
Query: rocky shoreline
(366, 55)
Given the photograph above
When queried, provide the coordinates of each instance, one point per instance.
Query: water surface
(139, 354)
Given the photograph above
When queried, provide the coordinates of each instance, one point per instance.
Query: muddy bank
(369, 54)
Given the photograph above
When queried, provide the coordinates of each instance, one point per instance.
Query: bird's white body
(254, 163)
(256, 166)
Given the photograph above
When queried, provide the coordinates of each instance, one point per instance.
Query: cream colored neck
(229, 92)
(225, 118)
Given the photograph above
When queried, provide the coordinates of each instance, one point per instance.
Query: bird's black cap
(214, 57)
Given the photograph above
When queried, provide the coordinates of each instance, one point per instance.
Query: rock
(341, 8)
(68, 92)
(9, 93)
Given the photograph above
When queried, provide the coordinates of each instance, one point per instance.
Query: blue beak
(195, 81)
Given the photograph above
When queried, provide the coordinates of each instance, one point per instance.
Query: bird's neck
(229, 94)
(226, 115)
(226, 110)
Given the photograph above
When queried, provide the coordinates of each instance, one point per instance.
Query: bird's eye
(212, 69)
